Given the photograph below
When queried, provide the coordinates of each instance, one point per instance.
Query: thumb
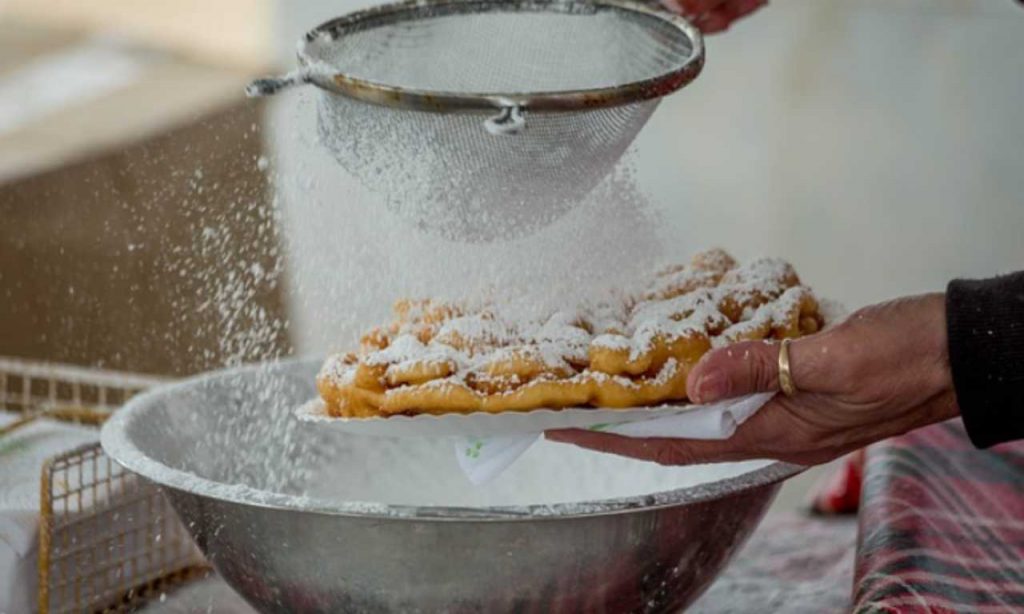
(742, 368)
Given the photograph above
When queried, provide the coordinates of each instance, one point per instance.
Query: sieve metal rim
(393, 96)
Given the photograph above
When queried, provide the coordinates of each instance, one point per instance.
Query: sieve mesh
(449, 176)
(480, 119)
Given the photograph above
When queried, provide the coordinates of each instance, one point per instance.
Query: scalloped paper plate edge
(483, 424)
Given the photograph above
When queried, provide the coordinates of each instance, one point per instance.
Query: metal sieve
(480, 119)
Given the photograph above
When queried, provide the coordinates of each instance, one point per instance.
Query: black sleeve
(985, 325)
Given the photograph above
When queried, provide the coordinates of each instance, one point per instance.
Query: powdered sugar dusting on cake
(764, 275)
(403, 348)
(339, 369)
(613, 342)
(711, 298)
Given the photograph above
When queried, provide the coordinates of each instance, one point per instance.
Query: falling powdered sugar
(350, 257)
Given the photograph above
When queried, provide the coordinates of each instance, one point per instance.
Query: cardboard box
(135, 226)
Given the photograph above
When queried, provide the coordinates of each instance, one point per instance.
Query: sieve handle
(511, 120)
(268, 86)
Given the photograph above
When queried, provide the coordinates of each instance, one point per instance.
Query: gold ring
(785, 375)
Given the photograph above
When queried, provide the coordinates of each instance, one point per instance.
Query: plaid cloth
(941, 525)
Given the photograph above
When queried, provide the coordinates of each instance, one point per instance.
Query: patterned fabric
(941, 525)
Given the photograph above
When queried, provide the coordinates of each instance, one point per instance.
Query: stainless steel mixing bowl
(294, 519)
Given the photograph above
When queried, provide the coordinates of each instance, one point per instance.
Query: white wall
(878, 144)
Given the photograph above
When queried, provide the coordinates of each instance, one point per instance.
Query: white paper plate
(482, 424)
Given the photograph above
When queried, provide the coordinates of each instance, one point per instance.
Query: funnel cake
(630, 352)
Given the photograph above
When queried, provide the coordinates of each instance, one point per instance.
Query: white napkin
(483, 459)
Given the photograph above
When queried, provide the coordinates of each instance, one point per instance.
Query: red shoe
(839, 493)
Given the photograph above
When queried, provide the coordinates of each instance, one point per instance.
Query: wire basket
(32, 387)
(108, 539)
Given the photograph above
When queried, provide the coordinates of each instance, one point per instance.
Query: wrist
(937, 353)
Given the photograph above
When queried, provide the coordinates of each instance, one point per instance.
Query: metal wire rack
(28, 386)
(108, 539)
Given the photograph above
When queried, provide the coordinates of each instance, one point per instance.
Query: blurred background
(876, 144)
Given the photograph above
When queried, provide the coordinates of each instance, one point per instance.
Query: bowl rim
(120, 447)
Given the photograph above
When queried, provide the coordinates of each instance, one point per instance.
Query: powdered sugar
(761, 276)
(768, 315)
(406, 349)
(612, 342)
(337, 368)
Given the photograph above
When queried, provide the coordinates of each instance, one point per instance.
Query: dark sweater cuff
(985, 325)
